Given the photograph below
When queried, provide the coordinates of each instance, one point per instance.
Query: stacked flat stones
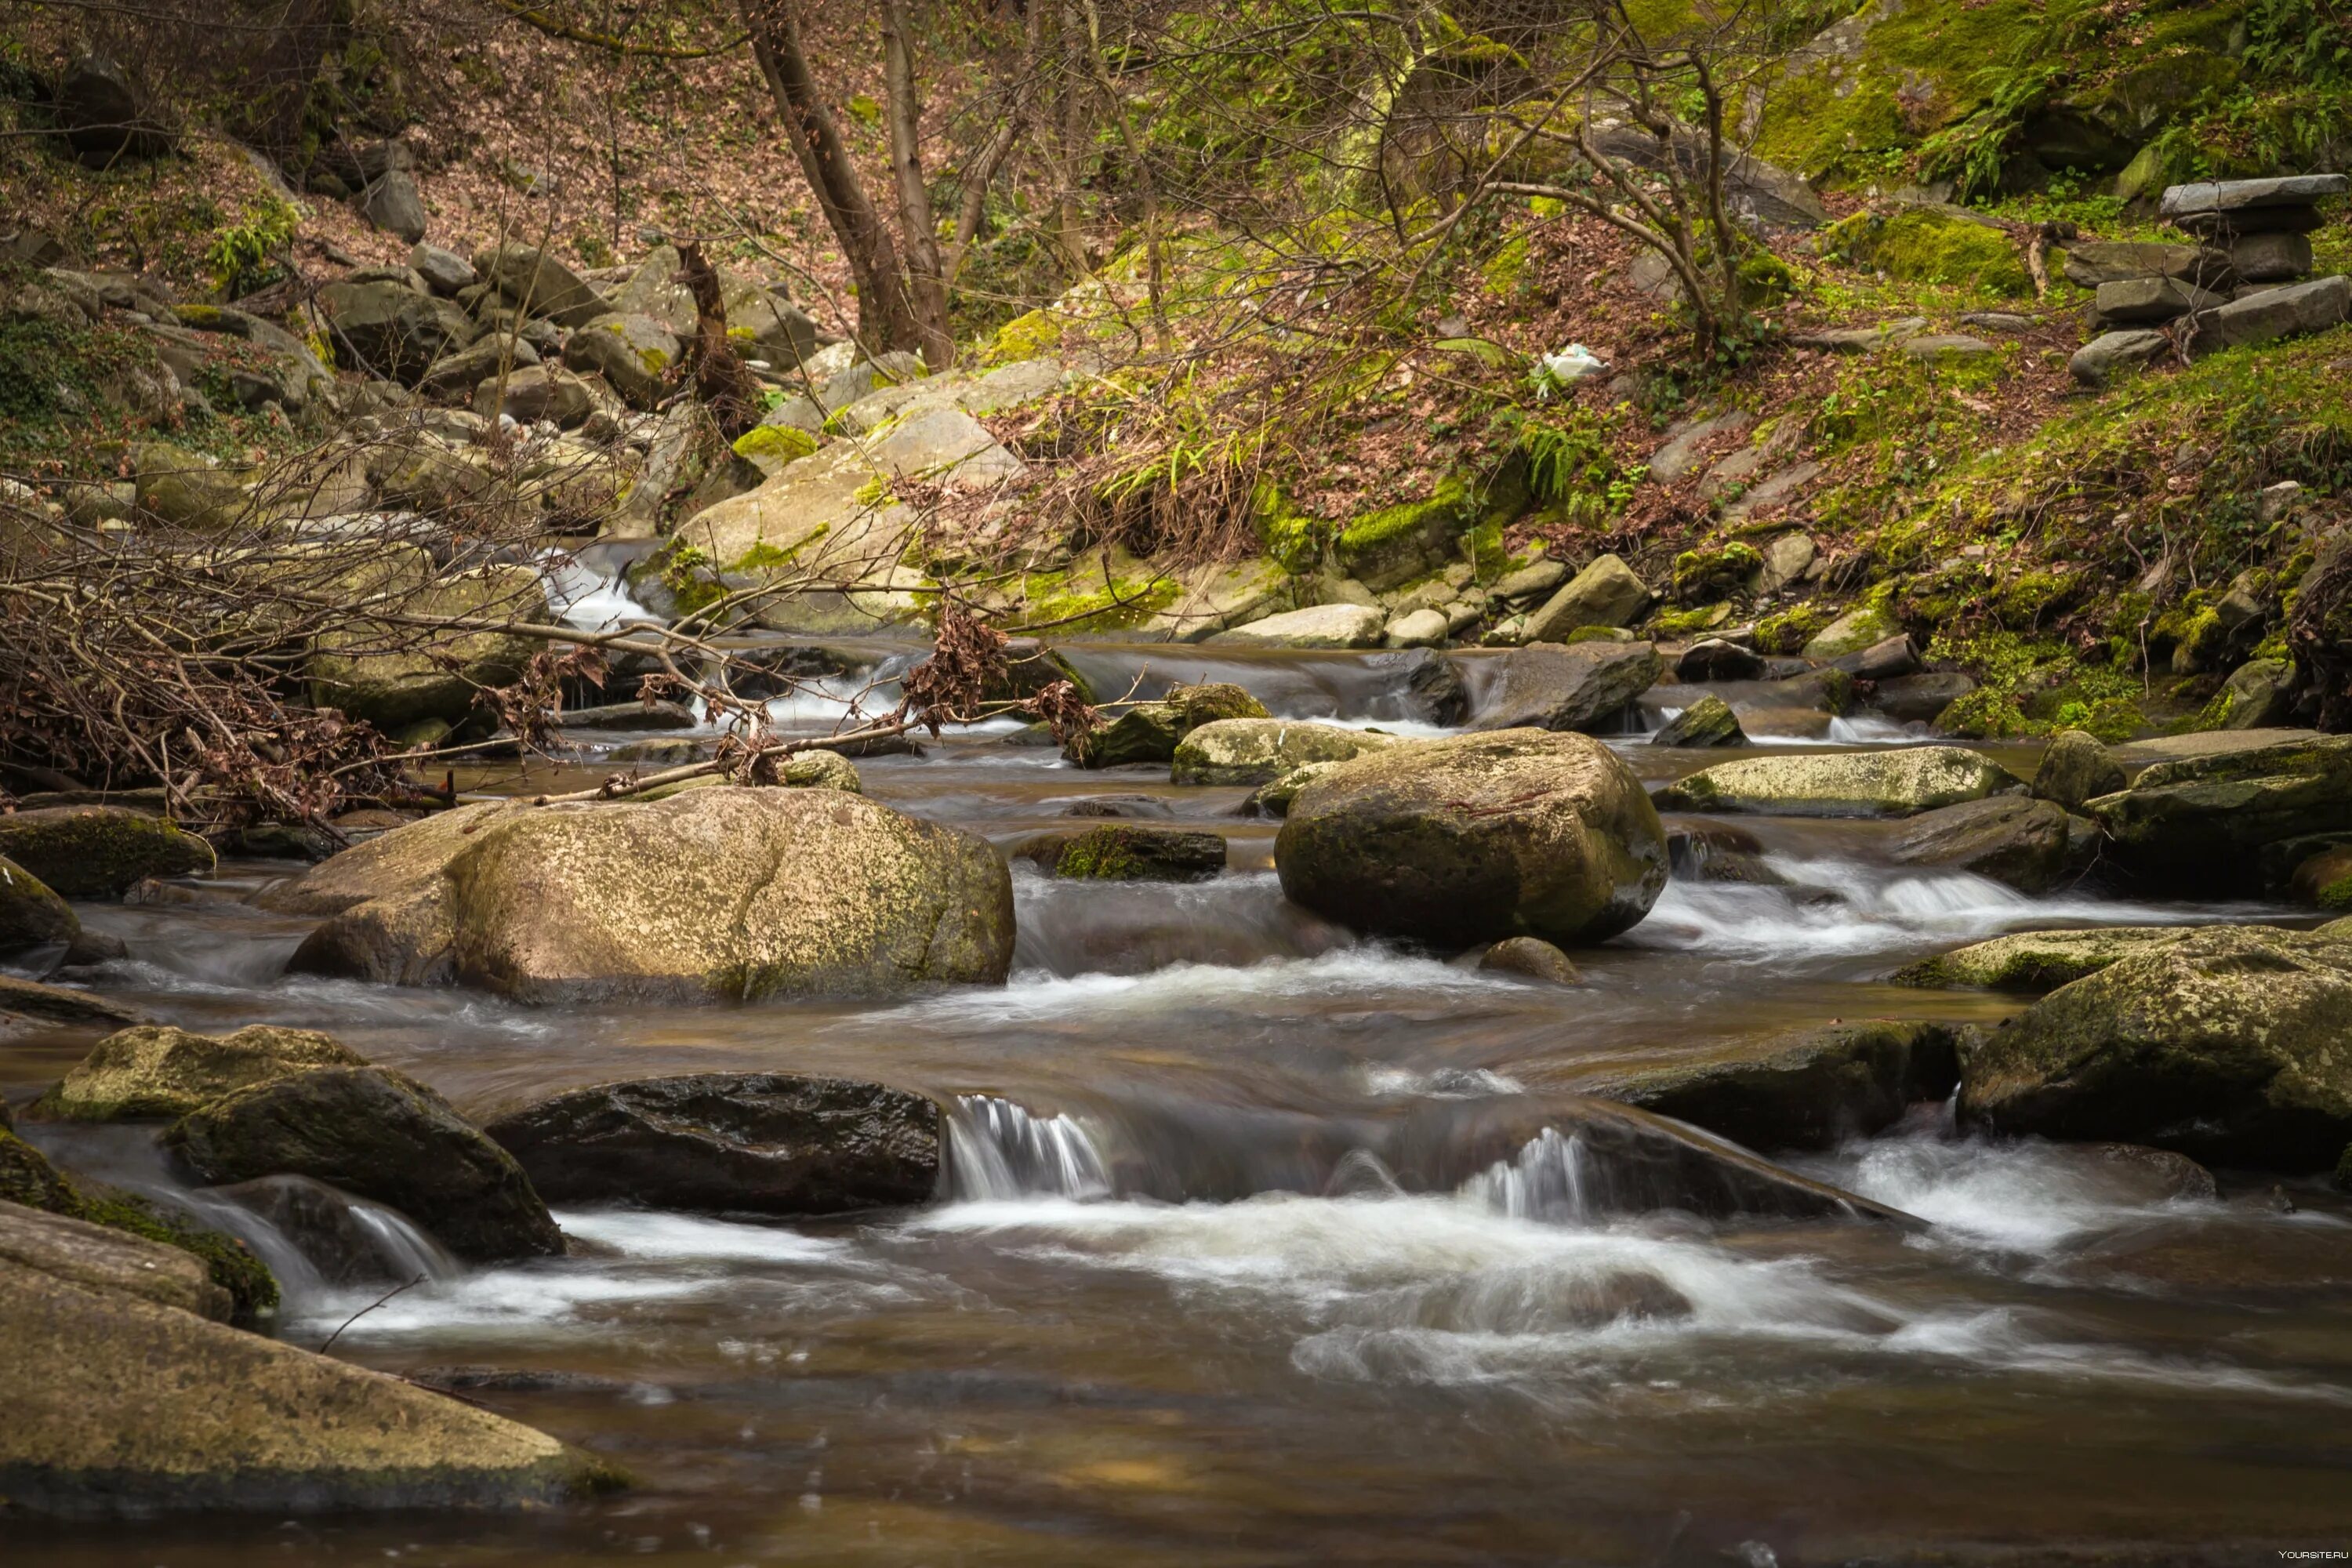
(2246, 280)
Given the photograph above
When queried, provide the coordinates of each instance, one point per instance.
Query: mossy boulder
(1709, 721)
(120, 1405)
(107, 1259)
(378, 1134)
(1853, 784)
(1259, 751)
(2196, 823)
(1864, 626)
(1703, 576)
(2231, 1045)
(1129, 853)
(821, 770)
(1476, 838)
(100, 851)
(31, 914)
(711, 894)
(157, 1070)
(2076, 768)
(2037, 960)
(1149, 732)
(1803, 1090)
(393, 688)
(736, 1143)
(1932, 244)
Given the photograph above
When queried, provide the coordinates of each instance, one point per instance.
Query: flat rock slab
(1860, 340)
(2134, 756)
(107, 1259)
(2293, 310)
(2241, 195)
(1319, 625)
(2097, 361)
(1853, 783)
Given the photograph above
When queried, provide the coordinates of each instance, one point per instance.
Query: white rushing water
(583, 598)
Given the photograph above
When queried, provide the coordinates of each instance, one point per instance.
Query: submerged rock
(1477, 838)
(756, 1143)
(106, 1260)
(1810, 1090)
(157, 1070)
(1848, 783)
(1586, 686)
(27, 999)
(2008, 838)
(100, 851)
(1581, 1158)
(2227, 1044)
(123, 1407)
(377, 1134)
(1259, 751)
(713, 893)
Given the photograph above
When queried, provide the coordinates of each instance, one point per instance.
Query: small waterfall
(583, 597)
(317, 1240)
(997, 1150)
(1547, 1181)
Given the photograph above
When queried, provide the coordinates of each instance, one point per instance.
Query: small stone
(1709, 721)
(1530, 958)
(2095, 362)
(1713, 659)
(2075, 768)
(444, 272)
(1421, 628)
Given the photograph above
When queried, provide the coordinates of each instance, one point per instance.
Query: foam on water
(584, 598)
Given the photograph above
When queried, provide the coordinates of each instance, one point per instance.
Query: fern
(1971, 153)
(2304, 40)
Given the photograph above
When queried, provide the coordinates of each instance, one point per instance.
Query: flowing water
(1192, 1294)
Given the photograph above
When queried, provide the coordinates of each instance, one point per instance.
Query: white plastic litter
(1556, 371)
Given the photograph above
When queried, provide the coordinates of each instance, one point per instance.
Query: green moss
(1789, 631)
(1032, 336)
(252, 1289)
(1507, 267)
(1726, 569)
(1687, 623)
(1921, 244)
(784, 443)
(1985, 715)
(26, 1177)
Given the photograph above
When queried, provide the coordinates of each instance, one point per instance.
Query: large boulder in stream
(104, 1259)
(1805, 1089)
(719, 893)
(1259, 751)
(119, 1404)
(157, 1070)
(1477, 838)
(1150, 731)
(2009, 838)
(377, 1134)
(2038, 960)
(100, 851)
(2233, 1046)
(2195, 823)
(754, 1142)
(32, 915)
(1582, 686)
(1898, 783)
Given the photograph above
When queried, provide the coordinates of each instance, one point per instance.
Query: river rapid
(1185, 1300)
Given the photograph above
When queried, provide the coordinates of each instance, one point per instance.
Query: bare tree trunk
(281, 78)
(980, 173)
(885, 316)
(1141, 163)
(1074, 80)
(926, 279)
(719, 378)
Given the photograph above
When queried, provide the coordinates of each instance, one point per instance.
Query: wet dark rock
(1810, 1090)
(2009, 838)
(1709, 721)
(1150, 731)
(380, 1135)
(2226, 1045)
(1917, 699)
(759, 1143)
(1713, 659)
(2163, 1175)
(1477, 838)
(1889, 659)
(1719, 853)
(1129, 854)
(1588, 686)
(1627, 1160)
(123, 1407)
(24, 999)
(323, 1225)
(98, 851)
(1530, 958)
(105, 116)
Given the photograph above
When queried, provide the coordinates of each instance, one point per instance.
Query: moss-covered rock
(123, 1407)
(394, 688)
(1476, 838)
(1259, 751)
(821, 770)
(1932, 244)
(2075, 768)
(107, 1259)
(2009, 838)
(713, 893)
(157, 1070)
(2196, 823)
(379, 1134)
(1864, 626)
(98, 851)
(31, 914)
(2228, 1046)
(2037, 960)
(1709, 721)
(1810, 1090)
(1701, 577)
(1853, 783)
(1127, 853)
